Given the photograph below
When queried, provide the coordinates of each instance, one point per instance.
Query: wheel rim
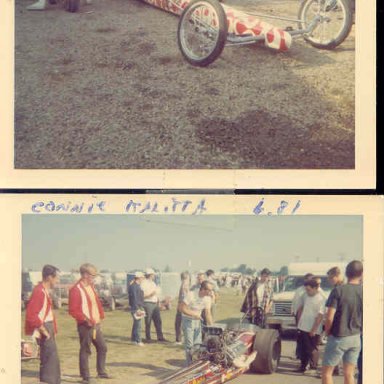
(332, 15)
(199, 31)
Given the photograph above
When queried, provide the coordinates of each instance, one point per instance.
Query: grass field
(127, 362)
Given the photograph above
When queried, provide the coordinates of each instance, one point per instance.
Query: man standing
(191, 307)
(343, 324)
(334, 276)
(85, 307)
(183, 292)
(199, 279)
(136, 304)
(297, 301)
(41, 323)
(215, 290)
(258, 299)
(151, 305)
(310, 325)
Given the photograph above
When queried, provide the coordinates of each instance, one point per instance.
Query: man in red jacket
(41, 323)
(85, 307)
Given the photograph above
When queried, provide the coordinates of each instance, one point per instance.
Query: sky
(127, 242)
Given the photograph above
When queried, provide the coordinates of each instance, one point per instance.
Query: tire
(267, 344)
(72, 5)
(202, 19)
(334, 26)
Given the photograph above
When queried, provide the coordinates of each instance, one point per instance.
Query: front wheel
(202, 32)
(332, 21)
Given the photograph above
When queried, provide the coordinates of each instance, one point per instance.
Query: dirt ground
(128, 363)
(108, 88)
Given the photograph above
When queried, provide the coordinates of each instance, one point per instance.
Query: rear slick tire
(267, 344)
(202, 20)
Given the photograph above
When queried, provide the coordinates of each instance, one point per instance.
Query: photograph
(235, 294)
(148, 85)
(241, 289)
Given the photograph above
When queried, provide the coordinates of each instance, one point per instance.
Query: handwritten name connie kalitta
(133, 206)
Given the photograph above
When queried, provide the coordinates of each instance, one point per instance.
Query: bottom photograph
(191, 299)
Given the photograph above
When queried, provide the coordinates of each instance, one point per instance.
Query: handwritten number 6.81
(282, 208)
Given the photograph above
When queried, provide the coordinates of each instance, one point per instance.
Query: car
(227, 352)
(282, 317)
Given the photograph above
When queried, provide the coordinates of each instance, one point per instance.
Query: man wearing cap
(259, 298)
(85, 307)
(136, 304)
(151, 305)
(41, 323)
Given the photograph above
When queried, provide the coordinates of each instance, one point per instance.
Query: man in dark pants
(40, 322)
(151, 305)
(85, 307)
(258, 299)
(335, 278)
(309, 324)
(136, 304)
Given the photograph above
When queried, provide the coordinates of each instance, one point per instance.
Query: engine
(221, 346)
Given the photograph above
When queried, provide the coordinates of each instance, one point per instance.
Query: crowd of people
(339, 316)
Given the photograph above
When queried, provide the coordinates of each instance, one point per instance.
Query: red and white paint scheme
(239, 23)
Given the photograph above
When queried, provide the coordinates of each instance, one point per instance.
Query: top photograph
(249, 85)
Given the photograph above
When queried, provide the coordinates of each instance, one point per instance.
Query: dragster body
(239, 23)
(227, 353)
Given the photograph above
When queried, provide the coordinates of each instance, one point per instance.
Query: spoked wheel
(333, 25)
(71, 5)
(202, 32)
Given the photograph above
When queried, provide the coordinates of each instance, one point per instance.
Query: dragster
(228, 352)
(206, 26)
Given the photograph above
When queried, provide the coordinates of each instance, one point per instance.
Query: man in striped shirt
(85, 307)
(41, 323)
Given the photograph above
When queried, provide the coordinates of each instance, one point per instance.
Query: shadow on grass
(230, 321)
(117, 339)
(154, 371)
(176, 362)
(30, 373)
